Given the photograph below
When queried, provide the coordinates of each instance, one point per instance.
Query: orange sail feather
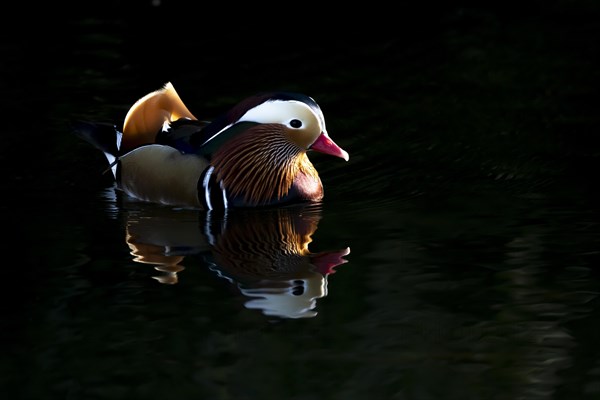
(147, 116)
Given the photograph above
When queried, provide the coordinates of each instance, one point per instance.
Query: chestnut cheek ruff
(257, 167)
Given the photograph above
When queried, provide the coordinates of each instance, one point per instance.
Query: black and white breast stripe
(211, 193)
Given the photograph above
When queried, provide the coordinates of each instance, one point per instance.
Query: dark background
(516, 82)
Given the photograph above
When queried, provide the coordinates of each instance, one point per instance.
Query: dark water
(455, 256)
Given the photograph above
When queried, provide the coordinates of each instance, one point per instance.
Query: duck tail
(103, 136)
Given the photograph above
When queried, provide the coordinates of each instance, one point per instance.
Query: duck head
(298, 117)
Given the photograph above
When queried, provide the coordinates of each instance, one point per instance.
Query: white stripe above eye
(276, 112)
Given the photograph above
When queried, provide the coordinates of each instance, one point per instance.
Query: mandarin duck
(253, 155)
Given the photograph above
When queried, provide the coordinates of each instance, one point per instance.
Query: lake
(454, 256)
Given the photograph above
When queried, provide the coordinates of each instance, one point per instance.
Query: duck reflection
(263, 252)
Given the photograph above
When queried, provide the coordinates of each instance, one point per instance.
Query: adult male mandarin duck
(253, 155)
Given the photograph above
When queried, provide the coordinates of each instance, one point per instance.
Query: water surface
(453, 257)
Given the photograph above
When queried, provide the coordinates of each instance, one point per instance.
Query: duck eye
(295, 123)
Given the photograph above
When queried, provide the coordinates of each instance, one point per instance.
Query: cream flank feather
(148, 170)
